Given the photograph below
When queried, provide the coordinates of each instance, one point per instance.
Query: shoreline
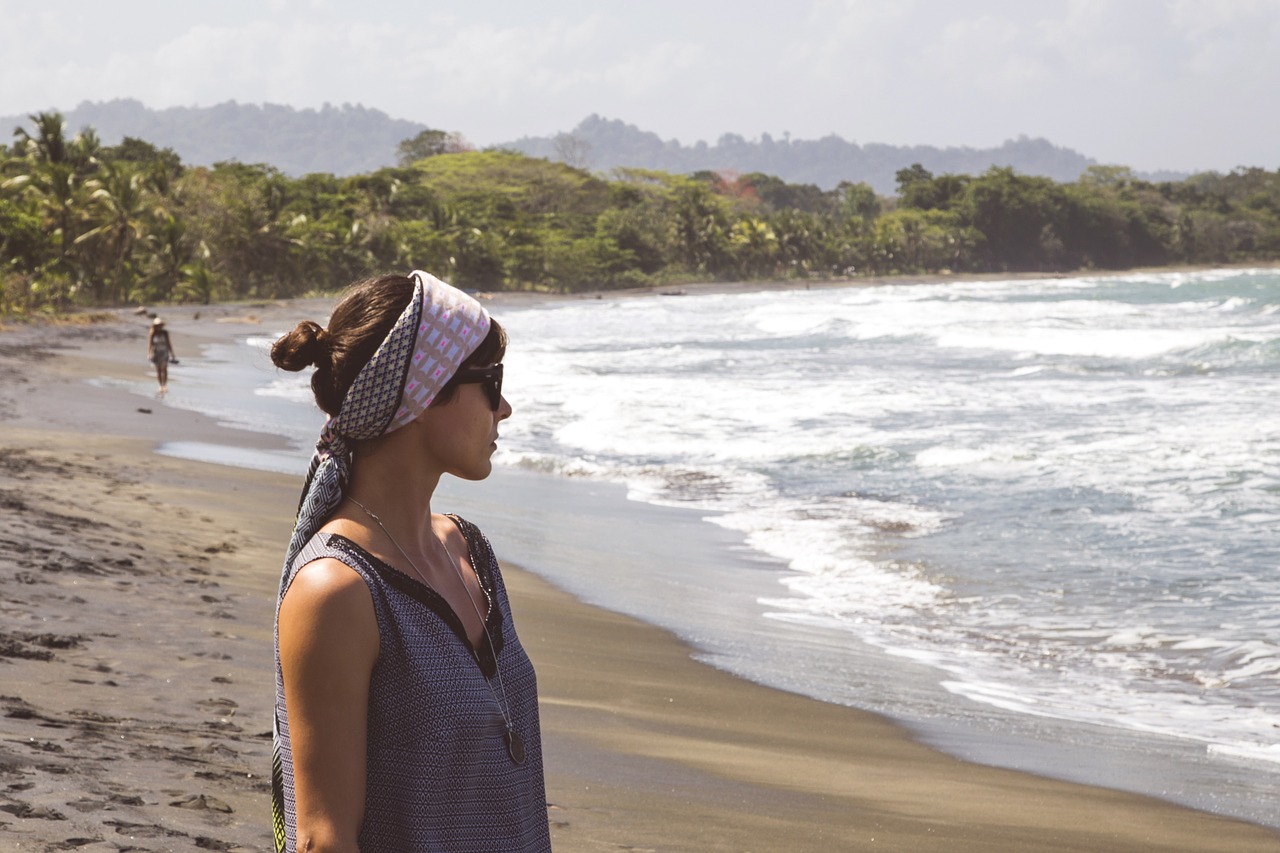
(782, 285)
(646, 746)
(252, 310)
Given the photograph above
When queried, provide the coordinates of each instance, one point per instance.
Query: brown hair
(360, 323)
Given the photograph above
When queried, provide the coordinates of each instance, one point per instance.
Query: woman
(160, 353)
(406, 708)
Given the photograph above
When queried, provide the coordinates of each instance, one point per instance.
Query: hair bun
(306, 345)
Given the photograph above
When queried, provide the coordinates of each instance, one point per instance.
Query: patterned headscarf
(438, 329)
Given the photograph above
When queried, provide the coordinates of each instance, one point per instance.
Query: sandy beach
(136, 684)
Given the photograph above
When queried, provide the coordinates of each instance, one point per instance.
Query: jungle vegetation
(83, 224)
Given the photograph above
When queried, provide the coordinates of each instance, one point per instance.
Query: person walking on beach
(406, 709)
(160, 353)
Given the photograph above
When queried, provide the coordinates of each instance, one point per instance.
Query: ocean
(1034, 520)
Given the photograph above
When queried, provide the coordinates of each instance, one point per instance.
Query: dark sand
(136, 686)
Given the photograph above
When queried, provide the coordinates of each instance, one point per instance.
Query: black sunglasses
(489, 377)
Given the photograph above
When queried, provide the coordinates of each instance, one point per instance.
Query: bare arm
(328, 646)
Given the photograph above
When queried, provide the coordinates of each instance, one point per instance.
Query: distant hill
(351, 140)
(601, 144)
(346, 140)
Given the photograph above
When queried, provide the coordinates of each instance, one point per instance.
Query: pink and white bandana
(450, 327)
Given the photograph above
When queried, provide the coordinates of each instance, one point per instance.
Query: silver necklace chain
(514, 744)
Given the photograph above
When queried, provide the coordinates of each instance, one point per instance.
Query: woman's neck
(398, 489)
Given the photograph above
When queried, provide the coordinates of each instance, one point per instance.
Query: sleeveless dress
(439, 776)
(160, 348)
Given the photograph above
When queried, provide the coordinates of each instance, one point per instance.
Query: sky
(1185, 85)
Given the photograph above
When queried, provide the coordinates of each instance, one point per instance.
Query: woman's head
(360, 323)
(392, 347)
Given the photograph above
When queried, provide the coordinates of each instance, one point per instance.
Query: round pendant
(515, 746)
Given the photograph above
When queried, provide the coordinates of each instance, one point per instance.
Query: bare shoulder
(325, 579)
(328, 595)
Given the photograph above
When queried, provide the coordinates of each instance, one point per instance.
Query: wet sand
(136, 592)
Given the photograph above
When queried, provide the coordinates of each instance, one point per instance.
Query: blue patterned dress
(439, 776)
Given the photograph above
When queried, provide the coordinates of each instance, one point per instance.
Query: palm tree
(170, 253)
(49, 145)
(53, 189)
(755, 244)
(50, 171)
(118, 203)
(198, 281)
(700, 228)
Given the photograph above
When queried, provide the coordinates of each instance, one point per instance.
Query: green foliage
(857, 201)
(943, 192)
(429, 143)
(699, 229)
(1021, 217)
(24, 244)
(483, 180)
(911, 176)
(83, 224)
(161, 164)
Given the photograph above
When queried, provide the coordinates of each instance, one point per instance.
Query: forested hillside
(603, 144)
(345, 140)
(82, 223)
(351, 140)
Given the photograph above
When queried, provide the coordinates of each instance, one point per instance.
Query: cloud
(499, 64)
(1229, 37)
(1150, 82)
(550, 73)
(990, 55)
(1122, 80)
(843, 36)
(651, 70)
(1201, 20)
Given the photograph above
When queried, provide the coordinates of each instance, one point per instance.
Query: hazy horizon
(1152, 84)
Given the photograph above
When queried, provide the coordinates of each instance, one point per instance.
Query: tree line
(604, 144)
(82, 223)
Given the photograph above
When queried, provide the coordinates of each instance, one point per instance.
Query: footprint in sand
(26, 810)
(201, 802)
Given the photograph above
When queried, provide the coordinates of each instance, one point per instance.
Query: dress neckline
(484, 654)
